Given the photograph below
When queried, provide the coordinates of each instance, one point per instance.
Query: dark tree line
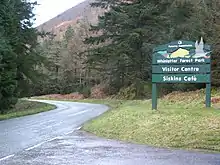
(18, 56)
(133, 28)
(116, 52)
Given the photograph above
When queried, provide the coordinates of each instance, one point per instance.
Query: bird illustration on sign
(184, 53)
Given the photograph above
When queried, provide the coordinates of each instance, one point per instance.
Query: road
(54, 138)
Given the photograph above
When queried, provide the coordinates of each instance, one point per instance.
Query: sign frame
(178, 54)
(181, 78)
(181, 69)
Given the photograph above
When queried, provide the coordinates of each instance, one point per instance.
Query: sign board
(205, 68)
(182, 62)
(157, 59)
(181, 78)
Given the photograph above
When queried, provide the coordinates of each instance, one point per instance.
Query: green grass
(181, 122)
(173, 126)
(24, 108)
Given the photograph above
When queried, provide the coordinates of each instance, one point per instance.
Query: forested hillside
(70, 17)
(115, 53)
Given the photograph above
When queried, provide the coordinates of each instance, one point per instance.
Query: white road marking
(69, 132)
(50, 126)
(73, 130)
(53, 139)
(7, 157)
(35, 146)
(79, 113)
(38, 145)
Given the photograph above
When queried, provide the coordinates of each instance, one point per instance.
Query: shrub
(98, 91)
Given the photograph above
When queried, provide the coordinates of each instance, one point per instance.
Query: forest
(114, 55)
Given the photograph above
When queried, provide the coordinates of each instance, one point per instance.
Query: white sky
(51, 8)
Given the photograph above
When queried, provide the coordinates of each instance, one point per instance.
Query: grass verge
(24, 108)
(181, 122)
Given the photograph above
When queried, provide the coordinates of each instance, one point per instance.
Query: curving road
(53, 137)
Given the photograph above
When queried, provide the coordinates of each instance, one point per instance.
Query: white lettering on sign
(186, 46)
(200, 60)
(190, 69)
(173, 46)
(167, 61)
(180, 42)
(181, 60)
(183, 69)
(181, 46)
(186, 60)
(190, 78)
(171, 78)
(170, 69)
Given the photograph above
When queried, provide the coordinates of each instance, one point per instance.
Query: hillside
(71, 16)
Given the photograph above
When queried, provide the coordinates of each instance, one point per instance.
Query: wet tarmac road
(25, 132)
(52, 138)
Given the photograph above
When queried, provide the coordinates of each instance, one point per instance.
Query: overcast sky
(51, 8)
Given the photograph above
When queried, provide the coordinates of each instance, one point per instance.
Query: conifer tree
(17, 50)
(130, 30)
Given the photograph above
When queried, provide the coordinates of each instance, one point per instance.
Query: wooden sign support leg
(208, 95)
(154, 96)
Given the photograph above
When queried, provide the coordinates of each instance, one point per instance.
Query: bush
(140, 90)
(86, 91)
(98, 91)
(128, 93)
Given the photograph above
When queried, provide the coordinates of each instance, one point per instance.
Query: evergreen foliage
(133, 28)
(17, 50)
(117, 52)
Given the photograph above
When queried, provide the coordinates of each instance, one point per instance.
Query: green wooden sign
(182, 52)
(172, 46)
(181, 78)
(182, 62)
(181, 68)
(194, 47)
(157, 59)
